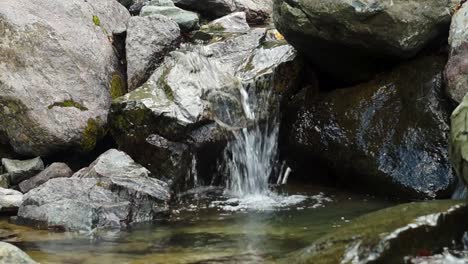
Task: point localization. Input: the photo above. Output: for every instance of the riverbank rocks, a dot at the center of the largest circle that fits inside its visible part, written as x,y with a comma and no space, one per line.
10,200
58,72
257,11
388,136
11,254
148,40
186,20
55,170
351,40
388,235
456,71
20,170
113,192
198,86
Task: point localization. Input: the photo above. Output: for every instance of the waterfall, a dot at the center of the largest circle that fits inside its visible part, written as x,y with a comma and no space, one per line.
251,157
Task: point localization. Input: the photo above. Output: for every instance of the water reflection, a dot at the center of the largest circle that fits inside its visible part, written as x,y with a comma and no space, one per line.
197,232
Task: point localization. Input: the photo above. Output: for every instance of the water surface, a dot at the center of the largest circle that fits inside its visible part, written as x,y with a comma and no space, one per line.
201,231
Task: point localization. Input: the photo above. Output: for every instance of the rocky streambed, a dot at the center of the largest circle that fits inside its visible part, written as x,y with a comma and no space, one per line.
199,131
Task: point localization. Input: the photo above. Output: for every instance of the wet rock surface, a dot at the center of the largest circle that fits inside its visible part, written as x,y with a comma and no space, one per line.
58,68
148,40
351,40
11,254
113,192
197,86
387,236
55,170
388,136
456,70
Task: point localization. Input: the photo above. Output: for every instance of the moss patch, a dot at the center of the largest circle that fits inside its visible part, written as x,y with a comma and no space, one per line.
91,134
117,86
96,21
68,103
162,83
369,230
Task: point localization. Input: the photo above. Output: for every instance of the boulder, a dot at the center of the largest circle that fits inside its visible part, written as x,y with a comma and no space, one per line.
20,170
198,87
388,136
55,170
10,200
235,22
456,70
113,192
459,141
186,20
148,40
257,11
11,254
351,40
389,235
71,41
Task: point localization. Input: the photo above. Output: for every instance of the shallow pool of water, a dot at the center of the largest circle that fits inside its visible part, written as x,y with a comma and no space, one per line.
202,230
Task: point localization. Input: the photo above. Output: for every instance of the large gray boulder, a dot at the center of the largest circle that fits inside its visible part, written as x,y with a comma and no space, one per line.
186,20
55,170
388,136
58,72
200,86
10,254
456,70
257,11
148,40
350,40
20,170
113,192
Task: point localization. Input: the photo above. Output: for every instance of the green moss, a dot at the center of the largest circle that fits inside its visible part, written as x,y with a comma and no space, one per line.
368,230
96,21
162,83
117,86
68,103
91,134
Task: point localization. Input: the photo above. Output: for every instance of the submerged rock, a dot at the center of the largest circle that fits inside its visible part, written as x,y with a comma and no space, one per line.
10,200
55,170
20,170
456,70
257,11
148,40
187,20
388,235
197,86
58,72
113,192
388,136
10,254
350,40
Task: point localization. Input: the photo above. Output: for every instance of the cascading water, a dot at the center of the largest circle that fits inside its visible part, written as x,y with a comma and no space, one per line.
251,157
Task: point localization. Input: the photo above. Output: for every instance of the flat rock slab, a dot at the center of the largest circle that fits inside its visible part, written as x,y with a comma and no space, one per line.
20,170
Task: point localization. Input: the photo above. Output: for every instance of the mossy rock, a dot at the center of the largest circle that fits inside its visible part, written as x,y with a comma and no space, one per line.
117,85
91,134
388,235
